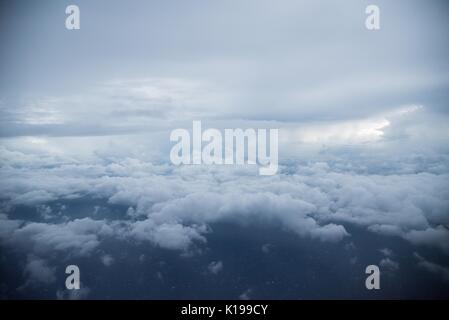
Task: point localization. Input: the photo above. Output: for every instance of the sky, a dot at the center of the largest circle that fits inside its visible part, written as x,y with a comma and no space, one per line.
86,179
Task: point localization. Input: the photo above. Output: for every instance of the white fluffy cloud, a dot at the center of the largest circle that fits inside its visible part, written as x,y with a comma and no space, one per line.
389,264
438,236
79,236
172,207
38,271
107,260
394,186
215,267
433,267
175,207
79,294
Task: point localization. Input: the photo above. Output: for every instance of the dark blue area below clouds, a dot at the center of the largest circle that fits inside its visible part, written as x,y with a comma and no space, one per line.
259,262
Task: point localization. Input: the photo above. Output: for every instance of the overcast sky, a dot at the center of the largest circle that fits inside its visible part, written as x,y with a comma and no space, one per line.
293,61
85,117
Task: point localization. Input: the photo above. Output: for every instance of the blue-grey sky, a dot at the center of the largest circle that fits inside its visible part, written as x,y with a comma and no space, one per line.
85,120
292,61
